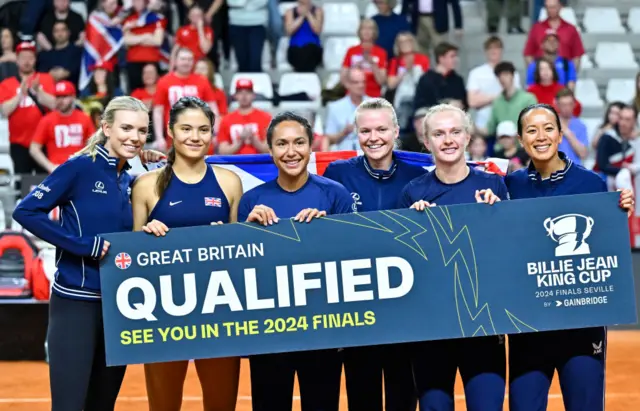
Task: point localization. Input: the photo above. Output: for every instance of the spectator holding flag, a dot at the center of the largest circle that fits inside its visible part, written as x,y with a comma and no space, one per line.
103,40
144,36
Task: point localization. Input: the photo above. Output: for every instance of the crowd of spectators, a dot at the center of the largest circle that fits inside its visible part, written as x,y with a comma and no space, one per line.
406,53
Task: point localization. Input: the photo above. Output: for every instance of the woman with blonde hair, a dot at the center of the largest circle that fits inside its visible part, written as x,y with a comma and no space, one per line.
368,57
92,190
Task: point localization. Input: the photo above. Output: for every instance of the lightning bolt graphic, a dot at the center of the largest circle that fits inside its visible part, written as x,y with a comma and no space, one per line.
414,244
458,248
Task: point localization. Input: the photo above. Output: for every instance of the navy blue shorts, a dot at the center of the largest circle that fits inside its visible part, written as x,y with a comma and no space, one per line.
482,365
319,373
578,356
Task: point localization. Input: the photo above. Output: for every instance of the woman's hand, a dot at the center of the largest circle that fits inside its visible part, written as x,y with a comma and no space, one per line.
105,249
422,205
151,156
263,215
626,201
486,196
309,214
155,227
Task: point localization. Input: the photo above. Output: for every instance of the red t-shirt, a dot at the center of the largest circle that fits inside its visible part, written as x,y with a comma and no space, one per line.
63,135
570,43
27,114
354,57
187,37
547,95
397,65
233,123
171,88
143,54
143,95
221,101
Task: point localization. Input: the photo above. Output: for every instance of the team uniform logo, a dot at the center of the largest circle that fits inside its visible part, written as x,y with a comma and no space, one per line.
123,261
99,188
212,202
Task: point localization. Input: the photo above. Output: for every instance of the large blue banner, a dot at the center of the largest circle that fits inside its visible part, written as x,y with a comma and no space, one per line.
370,278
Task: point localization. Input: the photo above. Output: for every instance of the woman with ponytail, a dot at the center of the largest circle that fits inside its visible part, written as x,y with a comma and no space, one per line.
188,192
92,190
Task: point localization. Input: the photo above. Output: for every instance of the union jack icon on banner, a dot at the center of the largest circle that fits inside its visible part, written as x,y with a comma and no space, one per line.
123,261
212,202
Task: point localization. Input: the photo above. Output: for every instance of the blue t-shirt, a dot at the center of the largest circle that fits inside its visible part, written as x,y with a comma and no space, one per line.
318,192
429,188
573,179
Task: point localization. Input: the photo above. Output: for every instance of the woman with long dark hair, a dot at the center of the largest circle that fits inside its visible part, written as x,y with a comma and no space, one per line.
173,196
579,354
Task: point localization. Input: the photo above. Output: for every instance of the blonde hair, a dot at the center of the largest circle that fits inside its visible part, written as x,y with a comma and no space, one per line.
441,108
127,103
376,104
396,43
374,26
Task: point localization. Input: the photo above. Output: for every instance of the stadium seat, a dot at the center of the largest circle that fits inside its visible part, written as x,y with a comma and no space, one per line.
340,18
318,124
566,13
284,6
633,21
79,7
602,20
300,82
615,55
592,124
621,90
587,93
282,63
261,85
6,164
335,49
4,135
372,10
585,62
332,80
219,81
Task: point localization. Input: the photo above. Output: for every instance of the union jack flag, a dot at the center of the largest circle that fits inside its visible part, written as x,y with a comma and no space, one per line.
255,169
152,18
123,261
212,202
103,41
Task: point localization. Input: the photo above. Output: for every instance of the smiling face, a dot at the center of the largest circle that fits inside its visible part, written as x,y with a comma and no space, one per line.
376,133
447,136
128,133
540,134
192,134
290,148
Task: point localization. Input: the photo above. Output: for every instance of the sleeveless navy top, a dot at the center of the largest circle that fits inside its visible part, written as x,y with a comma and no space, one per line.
188,205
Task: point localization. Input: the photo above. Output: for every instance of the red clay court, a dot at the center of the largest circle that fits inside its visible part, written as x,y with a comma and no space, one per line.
24,386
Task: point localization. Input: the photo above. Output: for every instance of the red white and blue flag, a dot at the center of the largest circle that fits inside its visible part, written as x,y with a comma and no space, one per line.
151,18
123,261
255,169
212,202
103,41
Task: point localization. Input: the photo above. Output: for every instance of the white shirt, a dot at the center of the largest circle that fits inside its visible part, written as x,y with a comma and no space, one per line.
425,6
484,80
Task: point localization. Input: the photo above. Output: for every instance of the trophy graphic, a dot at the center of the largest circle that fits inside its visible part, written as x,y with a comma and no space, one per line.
570,232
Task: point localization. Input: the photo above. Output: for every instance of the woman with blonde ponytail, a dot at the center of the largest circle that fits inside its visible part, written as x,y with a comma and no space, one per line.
92,190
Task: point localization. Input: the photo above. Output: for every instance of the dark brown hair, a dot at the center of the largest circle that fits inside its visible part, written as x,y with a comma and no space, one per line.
536,74
185,103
